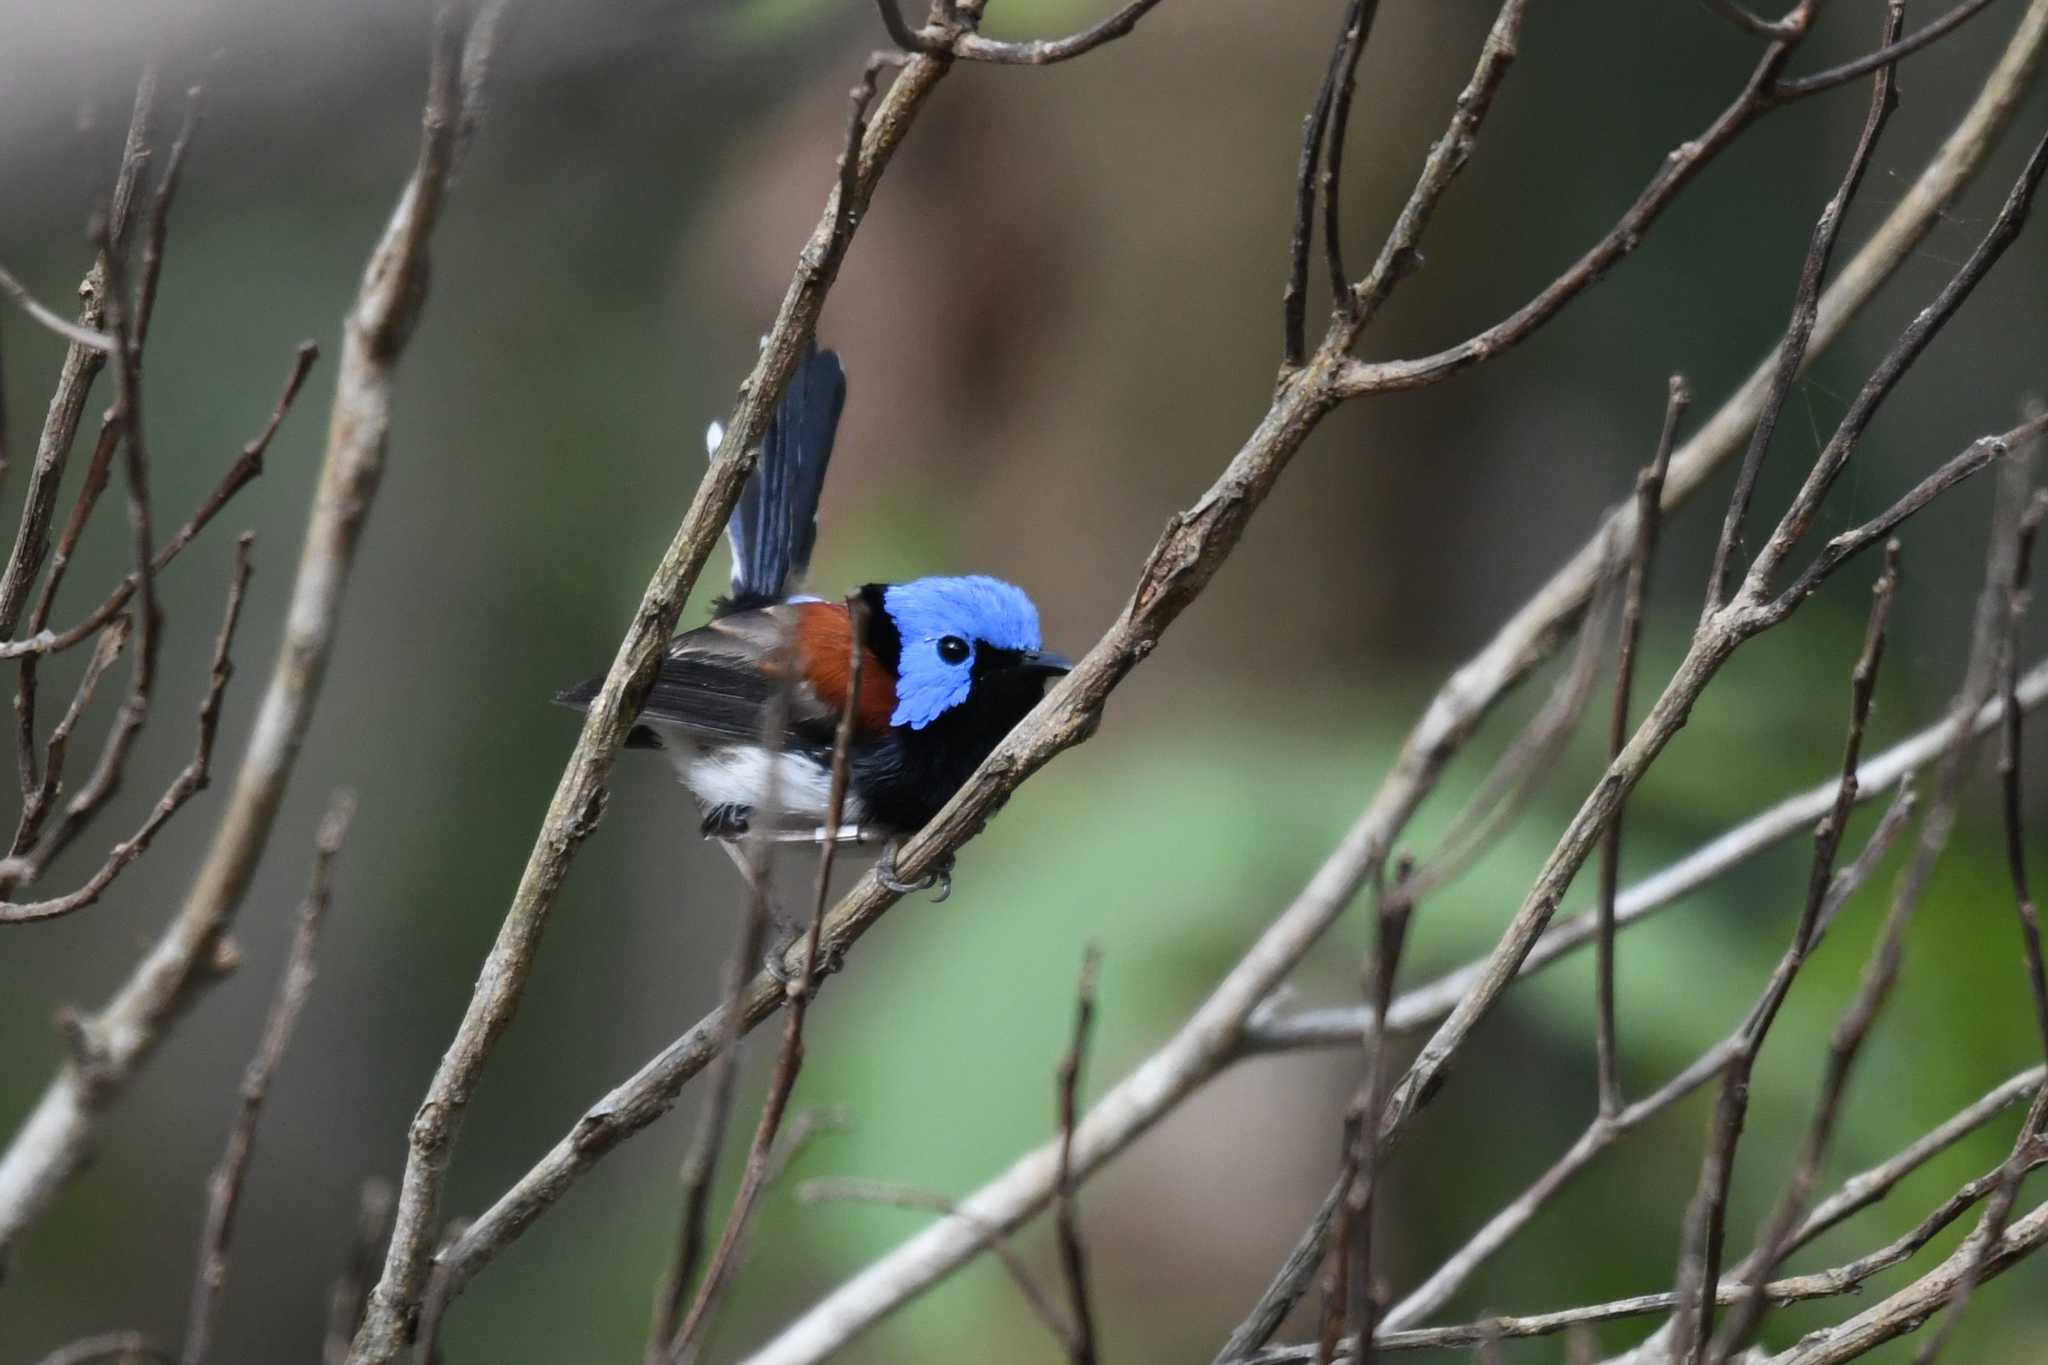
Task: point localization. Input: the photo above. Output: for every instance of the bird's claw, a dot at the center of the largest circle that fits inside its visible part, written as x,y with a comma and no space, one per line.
787,932
831,956
939,878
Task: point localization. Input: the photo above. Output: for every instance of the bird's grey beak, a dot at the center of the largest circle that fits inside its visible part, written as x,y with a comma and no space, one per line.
1045,661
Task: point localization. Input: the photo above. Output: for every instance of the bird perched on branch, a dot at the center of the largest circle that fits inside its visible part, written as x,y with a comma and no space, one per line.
949,664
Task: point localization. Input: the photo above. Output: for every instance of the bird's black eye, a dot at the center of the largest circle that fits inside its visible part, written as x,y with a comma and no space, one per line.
953,650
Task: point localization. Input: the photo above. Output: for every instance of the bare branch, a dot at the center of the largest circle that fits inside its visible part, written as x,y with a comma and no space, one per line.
1706,1216
1764,93
900,32
1357,32
183,787
1911,1307
1045,51
111,642
1883,56
350,1293
87,337
1926,324
1294,298
158,227
1066,1223
1425,1006
1791,355
2010,780
1791,26
908,1197
1649,507
1604,1131
1509,785
1713,644
1400,254
81,367
1845,1045
1823,1284
686,1343
224,1189
52,1145
123,1348
247,466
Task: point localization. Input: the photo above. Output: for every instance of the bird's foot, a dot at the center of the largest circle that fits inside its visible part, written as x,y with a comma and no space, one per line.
727,820
788,933
940,878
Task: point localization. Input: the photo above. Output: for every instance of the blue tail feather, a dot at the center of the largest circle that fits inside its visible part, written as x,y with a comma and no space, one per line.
775,522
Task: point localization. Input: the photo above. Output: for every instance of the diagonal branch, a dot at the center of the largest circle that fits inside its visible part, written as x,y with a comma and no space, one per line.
1649,499
224,1188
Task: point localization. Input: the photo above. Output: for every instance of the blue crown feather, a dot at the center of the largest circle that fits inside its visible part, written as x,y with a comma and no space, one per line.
977,609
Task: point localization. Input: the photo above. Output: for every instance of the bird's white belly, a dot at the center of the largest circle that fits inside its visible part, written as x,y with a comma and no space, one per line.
744,774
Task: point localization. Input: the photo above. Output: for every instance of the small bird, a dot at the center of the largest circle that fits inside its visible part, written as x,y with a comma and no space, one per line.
949,664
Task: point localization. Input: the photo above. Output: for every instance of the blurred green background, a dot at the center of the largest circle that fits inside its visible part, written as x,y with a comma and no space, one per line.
1060,318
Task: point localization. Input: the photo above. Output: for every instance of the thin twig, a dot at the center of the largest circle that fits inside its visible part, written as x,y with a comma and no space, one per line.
1921,331
1425,1006
350,1292
1764,93
72,332
43,791
111,642
1357,32
123,1348
1400,254
1712,646
687,1341
2011,782
909,1197
426,1347
246,467
1649,507
1911,1307
1604,1131
1791,356
700,1167
1999,1210
1066,1220
1822,1284
224,1188
1846,1042
1361,1305
127,356
82,365
1777,30
189,781
1511,783
157,229
1045,51
53,1143
1706,1217
900,32
1803,86
1294,298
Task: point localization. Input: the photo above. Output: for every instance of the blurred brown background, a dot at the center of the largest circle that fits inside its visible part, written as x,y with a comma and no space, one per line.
1059,319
